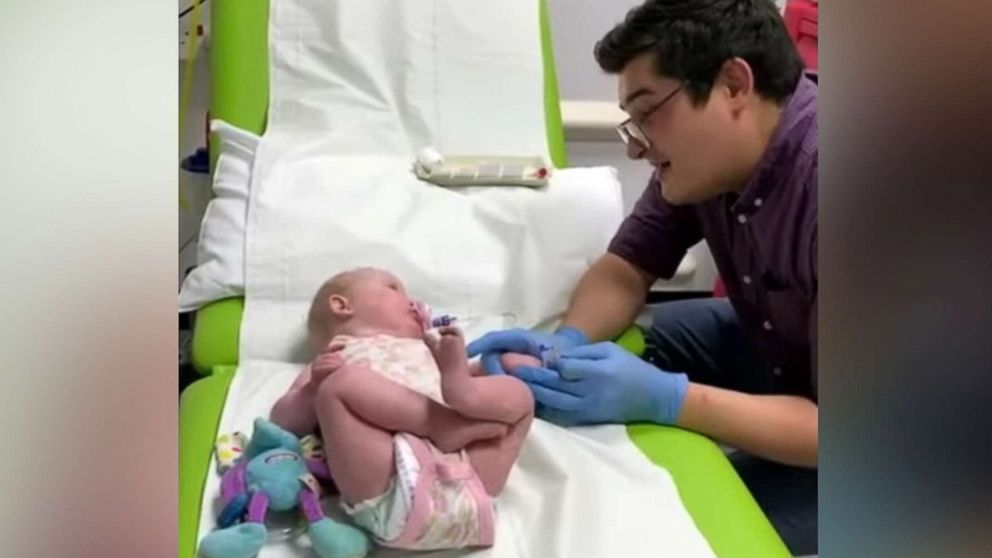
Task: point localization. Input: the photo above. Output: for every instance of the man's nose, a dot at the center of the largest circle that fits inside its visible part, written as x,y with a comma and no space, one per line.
635,150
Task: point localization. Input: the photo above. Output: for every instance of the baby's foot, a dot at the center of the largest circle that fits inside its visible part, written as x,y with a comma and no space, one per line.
511,361
453,432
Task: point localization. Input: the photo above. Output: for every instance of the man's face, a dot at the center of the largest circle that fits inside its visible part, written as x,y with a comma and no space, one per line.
692,147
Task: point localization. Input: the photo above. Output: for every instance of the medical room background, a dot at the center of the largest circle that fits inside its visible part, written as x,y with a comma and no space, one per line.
589,112
589,116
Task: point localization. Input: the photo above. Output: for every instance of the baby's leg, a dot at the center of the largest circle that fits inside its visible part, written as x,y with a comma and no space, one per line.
359,454
477,394
493,459
390,406
500,398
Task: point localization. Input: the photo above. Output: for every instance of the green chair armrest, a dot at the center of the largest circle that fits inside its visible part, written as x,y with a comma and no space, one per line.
632,339
216,334
200,407
552,102
704,476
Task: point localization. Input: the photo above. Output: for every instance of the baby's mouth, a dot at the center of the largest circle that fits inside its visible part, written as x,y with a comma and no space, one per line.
421,313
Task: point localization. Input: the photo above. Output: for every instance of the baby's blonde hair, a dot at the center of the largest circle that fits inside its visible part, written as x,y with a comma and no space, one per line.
321,322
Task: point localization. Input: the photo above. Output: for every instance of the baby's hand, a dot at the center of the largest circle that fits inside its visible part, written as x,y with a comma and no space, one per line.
435,339
449,349
326,363
451,334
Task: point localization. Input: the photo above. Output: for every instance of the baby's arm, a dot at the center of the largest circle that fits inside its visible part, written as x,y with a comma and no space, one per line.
295,411
501,398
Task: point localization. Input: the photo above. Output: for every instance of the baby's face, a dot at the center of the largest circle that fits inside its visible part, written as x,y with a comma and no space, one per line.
380,300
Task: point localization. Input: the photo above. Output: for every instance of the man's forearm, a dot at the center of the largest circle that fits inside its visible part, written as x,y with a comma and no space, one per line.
781,428
608,298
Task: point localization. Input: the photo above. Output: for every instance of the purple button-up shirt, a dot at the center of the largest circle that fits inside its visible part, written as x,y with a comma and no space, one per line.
763,241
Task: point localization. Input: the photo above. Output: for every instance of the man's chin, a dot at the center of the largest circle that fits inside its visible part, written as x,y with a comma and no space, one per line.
672,195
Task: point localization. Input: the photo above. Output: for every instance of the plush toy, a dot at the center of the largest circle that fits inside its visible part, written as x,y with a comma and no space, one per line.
276,471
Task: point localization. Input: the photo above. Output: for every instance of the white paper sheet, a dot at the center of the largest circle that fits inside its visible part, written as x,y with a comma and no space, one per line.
579,492
387,77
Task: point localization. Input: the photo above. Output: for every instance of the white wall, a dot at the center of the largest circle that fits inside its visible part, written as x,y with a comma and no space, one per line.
576,26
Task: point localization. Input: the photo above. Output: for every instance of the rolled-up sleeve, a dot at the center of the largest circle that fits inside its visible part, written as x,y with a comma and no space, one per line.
656,235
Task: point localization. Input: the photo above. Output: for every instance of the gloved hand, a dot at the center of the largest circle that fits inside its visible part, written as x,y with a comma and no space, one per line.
526,341
603,383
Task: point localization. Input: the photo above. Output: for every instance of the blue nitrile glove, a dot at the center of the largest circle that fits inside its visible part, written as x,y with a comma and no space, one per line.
603,383
524,341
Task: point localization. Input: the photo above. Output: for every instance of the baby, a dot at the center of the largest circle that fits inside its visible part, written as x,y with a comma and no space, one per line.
417,440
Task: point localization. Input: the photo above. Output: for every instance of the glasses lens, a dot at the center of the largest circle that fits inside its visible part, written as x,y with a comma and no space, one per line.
638,134
622,132
635,133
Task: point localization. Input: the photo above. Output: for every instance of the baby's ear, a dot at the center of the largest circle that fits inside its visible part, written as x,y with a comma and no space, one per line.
340,306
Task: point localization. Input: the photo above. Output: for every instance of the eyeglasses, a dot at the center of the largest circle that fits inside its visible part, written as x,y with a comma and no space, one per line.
630,130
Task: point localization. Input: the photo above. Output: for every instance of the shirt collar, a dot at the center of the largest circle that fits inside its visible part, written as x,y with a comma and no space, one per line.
787,138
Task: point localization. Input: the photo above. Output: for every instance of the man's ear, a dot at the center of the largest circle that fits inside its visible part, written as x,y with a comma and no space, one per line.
736,83
340,306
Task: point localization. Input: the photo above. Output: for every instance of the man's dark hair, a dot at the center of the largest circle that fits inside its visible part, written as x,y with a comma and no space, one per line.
691,39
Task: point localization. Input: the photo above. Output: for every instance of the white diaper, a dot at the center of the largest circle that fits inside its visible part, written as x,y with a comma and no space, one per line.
386,514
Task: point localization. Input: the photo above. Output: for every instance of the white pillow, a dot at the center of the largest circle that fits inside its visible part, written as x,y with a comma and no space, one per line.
220,269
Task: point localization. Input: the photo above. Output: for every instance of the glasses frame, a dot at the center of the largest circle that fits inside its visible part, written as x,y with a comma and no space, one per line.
630,130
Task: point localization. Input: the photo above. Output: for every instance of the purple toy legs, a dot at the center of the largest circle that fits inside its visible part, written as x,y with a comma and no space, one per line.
318,468
232,483
311,506
257,506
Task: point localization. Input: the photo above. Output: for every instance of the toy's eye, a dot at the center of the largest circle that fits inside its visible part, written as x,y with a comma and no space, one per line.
281,457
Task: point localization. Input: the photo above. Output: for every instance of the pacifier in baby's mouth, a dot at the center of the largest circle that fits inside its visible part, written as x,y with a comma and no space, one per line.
427,321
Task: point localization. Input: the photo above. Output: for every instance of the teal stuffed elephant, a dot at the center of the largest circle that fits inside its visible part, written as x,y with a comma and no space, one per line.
275,473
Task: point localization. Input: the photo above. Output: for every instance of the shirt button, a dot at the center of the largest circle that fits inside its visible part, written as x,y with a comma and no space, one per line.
767,325
758,202
746,279
777,371
742,219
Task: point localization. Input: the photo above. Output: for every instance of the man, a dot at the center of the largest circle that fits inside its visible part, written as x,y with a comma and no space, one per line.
720,108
